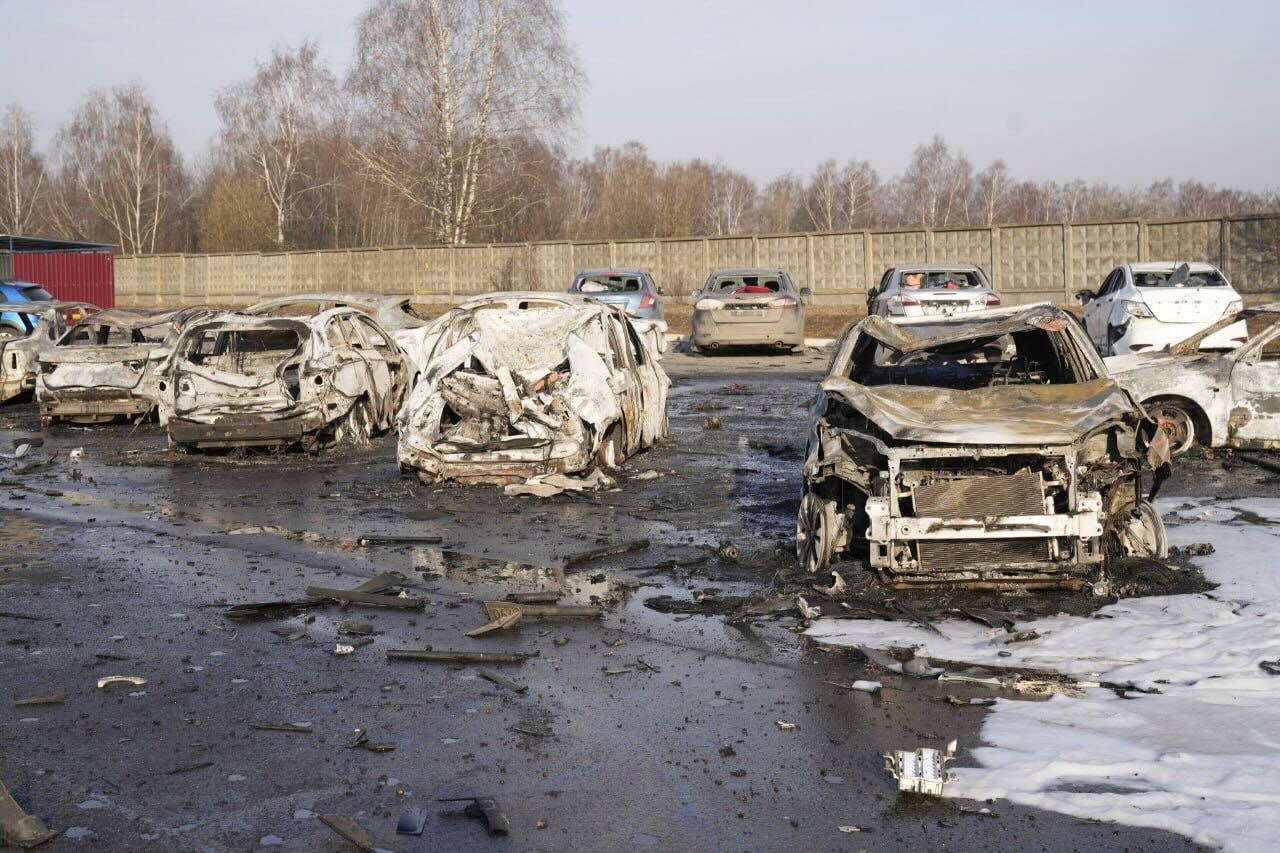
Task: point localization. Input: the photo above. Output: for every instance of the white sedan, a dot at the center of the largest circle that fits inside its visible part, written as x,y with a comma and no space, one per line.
1148,306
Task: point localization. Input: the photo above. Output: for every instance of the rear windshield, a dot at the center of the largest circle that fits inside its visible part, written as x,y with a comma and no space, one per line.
37,294
101,335
226,349
1179,278
748,284
944,280
609,284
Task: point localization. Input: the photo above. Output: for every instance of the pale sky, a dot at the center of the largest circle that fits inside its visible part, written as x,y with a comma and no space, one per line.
1121,91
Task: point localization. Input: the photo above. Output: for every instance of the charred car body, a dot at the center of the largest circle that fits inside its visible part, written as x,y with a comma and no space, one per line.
1215,397
235,380
107,366
33,327
519,385
979,450
395,314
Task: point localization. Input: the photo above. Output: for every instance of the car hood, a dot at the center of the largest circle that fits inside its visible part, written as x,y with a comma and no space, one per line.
998,415
1119,364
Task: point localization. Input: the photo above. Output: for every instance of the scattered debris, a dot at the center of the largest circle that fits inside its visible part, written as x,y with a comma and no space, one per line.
503,615
351,831
921,771
1195,549
341,649
430,656
981,701
860,685
605,551
727,551
549,485
837,589
19,828
485,808
917,667
350,596
399,540
712,422
547,597
53,699
10,615
275,609
807,611
1270,667
135,680
783,725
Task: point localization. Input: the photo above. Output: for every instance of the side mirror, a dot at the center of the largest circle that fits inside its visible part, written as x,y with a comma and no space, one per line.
806,295
1086,296
694,296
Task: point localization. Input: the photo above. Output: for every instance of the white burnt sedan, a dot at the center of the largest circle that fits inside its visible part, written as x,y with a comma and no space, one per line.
1148,306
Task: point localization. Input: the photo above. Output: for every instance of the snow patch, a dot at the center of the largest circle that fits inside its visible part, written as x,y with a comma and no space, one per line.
1201,757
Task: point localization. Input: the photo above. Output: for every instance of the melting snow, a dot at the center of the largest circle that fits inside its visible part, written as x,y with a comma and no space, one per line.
1202,758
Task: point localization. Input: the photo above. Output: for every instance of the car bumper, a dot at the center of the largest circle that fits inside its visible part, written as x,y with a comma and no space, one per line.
243,430
124,404
498,467
710,329
1150,335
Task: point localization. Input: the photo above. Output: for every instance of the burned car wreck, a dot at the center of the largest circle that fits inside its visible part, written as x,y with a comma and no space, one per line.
235,380
522,385
43,323
983,450
107,366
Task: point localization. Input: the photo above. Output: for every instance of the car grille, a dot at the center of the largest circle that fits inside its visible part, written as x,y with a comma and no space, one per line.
977,497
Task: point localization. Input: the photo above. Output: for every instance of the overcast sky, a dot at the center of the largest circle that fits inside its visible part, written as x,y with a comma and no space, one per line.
1121,91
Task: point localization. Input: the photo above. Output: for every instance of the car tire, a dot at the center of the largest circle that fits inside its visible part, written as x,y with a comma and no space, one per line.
1178,421
9,333
816,530
1144,534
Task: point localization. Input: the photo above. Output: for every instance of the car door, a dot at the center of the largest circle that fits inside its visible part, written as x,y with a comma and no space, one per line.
382,365
653,389
1254,416
1098,311
625,383
877,305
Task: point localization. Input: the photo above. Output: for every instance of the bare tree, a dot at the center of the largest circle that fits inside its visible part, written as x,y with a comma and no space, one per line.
22,174
731,198
118,159
822,198
991,187
859,193
267,120
448,84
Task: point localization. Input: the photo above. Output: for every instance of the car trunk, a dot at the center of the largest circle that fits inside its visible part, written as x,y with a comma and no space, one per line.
248,371
118,368
750,308
1202,305
950,301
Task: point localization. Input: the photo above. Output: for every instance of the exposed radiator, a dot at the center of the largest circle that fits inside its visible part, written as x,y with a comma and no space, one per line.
970,497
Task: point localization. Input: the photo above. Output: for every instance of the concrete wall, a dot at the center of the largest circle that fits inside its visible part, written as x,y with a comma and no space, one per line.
1027,263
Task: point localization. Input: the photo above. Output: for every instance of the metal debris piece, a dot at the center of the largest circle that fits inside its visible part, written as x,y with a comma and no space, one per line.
605,551
412,822
783,725
503,615
342,649
727,551
921,771
837,589
502,680
10,615
552,611
295,728
400,540
351,831
350,596
485,808
268,609
430,656
712,423
547,597
959,702
52,699
354,628
135,680
859,685
362,741
19,828
1270,667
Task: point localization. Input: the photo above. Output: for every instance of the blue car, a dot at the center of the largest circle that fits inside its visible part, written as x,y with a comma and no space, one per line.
13,324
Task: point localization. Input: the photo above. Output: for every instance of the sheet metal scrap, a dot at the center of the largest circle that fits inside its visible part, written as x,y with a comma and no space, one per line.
19,828
352,832
485,808
503,615
921,771
278,609
430,656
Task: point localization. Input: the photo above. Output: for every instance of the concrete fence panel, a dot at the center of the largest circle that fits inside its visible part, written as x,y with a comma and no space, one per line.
729,252
684,266
1198,240
791,253
642,254
966,246
1096,248
1254,255
553,265
840,267
588,256
1031,265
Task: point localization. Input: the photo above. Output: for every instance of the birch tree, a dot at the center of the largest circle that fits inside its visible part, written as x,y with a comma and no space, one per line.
118,160
22,173
446,85
268,119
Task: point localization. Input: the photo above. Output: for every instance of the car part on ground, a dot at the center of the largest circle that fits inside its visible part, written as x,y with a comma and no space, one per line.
921,771
235,380
633,290
107,365
989,448
518,386
922,290
40,324
1148,306
1219,398
749,307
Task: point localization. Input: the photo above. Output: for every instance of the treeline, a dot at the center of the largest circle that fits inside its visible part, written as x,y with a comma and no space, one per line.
450,128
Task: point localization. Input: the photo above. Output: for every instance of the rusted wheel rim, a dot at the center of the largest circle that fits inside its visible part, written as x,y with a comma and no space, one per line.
1177,424
815,527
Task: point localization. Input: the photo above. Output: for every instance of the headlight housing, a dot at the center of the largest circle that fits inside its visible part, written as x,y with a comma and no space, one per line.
1235,306
708,305
1136,309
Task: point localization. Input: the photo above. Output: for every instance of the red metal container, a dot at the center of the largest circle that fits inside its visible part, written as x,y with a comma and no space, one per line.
73,276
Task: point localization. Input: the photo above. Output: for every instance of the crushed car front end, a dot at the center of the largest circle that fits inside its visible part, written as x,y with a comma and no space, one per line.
1031,484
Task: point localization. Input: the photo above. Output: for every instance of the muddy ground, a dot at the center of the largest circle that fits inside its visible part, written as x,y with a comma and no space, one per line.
644,729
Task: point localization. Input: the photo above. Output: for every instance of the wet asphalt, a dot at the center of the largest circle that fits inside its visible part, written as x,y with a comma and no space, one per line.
644,729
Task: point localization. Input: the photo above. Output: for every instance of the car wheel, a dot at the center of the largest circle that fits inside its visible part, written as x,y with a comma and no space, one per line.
8,333
1144,535
1177,422
815,532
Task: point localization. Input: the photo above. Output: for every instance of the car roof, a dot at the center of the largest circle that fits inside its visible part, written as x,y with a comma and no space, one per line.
937,268
569,299
612,271
19,283
1170,266
750,271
